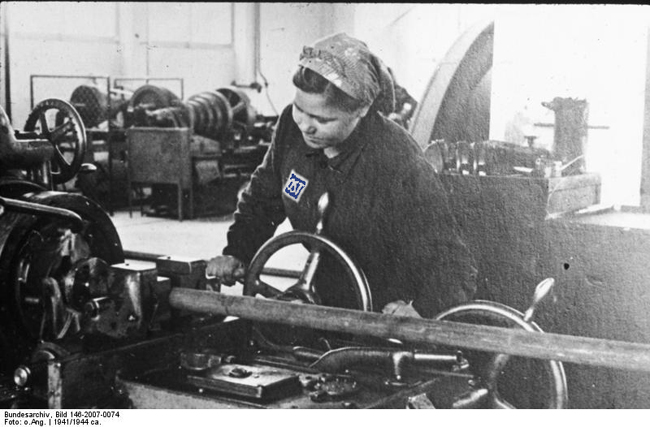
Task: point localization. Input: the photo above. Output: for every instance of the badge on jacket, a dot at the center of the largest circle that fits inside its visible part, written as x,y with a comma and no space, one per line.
295,186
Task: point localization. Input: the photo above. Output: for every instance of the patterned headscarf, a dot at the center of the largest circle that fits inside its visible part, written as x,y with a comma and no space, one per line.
349,65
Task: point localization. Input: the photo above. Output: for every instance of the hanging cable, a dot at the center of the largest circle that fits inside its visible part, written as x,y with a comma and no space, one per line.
258,67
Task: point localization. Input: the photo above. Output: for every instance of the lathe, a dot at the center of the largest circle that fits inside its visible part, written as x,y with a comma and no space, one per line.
82,327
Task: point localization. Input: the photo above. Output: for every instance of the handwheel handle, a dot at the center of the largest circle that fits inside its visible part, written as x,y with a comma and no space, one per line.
323,204
542,291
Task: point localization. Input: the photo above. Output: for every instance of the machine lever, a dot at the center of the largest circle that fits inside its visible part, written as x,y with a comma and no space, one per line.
336,360
542,291
38,209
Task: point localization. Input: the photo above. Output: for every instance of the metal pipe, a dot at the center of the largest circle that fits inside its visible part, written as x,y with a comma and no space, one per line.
20,206
565,348
269,271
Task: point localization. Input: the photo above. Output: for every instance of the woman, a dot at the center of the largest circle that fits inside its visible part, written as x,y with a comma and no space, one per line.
388,210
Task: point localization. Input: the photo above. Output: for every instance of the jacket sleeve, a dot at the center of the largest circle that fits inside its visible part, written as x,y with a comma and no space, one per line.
260,209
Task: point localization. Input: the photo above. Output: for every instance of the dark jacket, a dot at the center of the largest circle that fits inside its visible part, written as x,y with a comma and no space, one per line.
388,211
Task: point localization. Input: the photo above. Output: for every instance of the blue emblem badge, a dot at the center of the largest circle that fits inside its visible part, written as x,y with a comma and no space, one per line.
295,186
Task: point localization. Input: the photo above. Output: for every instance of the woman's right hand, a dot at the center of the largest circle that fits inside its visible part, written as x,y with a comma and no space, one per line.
226,268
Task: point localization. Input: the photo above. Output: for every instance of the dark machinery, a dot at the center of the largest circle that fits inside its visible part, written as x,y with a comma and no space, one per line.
229,139
83,328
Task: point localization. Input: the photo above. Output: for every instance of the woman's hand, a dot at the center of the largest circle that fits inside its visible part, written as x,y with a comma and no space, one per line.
400,308
226,268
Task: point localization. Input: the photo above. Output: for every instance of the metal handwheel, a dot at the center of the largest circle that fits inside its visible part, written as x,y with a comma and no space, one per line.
304,289
58,122
485,393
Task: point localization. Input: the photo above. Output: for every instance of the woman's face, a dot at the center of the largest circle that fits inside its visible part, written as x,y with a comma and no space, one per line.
322,124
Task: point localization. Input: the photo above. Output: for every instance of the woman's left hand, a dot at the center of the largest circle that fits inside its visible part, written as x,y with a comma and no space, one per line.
400,308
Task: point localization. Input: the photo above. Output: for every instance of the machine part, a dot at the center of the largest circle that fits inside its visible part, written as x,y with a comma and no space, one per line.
214,115
420,401
129,304
12,205
341,358
227,111
86,279
150,97
59,123
329,388
456,103
485,391
250,381
23,154
95,106
243,113
485,157
91,103
303,290
570,133
33,375
200,116
14,188
37,253
202,360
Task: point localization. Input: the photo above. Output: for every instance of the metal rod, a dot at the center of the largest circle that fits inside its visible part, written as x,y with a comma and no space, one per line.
565,348
270,271
20,206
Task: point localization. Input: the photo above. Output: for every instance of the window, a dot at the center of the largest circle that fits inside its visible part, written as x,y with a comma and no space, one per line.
65,19
190,23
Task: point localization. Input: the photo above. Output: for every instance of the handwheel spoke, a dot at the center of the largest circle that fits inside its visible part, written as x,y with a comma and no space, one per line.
61,130
496,402
241,105
474,399
60,159
42,119
266,290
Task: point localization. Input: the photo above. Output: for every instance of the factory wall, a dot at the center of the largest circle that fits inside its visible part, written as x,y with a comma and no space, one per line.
410,38
284,28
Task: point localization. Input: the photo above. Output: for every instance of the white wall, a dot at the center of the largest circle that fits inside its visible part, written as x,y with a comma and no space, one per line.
596,53
284,29
412,38
34,52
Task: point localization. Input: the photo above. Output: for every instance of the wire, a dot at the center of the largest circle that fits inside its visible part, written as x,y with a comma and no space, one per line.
258,66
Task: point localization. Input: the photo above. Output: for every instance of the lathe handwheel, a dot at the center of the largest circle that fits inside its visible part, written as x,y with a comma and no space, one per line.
486,391
58,122
253,285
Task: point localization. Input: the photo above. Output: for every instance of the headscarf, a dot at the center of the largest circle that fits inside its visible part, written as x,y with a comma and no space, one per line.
349,65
